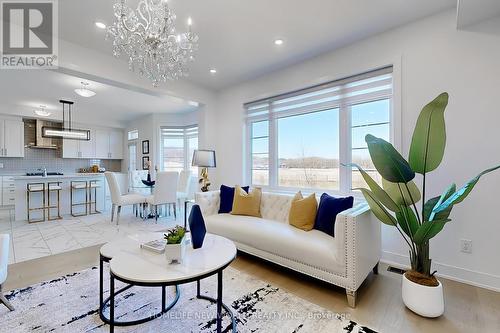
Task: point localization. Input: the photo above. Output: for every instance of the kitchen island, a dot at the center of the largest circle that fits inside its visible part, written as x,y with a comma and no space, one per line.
21,202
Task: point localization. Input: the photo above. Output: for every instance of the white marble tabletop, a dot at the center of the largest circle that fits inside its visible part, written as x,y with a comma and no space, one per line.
134,264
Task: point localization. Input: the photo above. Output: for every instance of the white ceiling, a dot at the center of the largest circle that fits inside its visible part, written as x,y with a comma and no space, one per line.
236,37
22,91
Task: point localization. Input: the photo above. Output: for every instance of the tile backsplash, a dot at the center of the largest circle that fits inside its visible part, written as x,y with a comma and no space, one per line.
52,160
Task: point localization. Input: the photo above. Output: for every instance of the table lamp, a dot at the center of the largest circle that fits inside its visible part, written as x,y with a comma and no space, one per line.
204,159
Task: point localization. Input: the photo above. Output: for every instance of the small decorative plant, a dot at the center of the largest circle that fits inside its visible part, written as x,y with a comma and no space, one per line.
395,202
175,235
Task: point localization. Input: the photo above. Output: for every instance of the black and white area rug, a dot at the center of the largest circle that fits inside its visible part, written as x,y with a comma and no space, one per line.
70,304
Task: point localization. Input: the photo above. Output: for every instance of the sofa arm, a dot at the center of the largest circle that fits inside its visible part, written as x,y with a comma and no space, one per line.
360,234
209,202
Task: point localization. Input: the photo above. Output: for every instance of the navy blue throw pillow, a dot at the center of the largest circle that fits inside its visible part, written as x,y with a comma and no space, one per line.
226,198
197,227
328,209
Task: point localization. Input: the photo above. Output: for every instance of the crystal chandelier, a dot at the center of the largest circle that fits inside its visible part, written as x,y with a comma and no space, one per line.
148,38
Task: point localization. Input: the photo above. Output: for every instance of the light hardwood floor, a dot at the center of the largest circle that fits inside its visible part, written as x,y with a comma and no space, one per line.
468,308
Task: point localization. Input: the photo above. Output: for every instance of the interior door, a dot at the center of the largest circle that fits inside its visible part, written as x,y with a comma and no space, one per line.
13,138
102,144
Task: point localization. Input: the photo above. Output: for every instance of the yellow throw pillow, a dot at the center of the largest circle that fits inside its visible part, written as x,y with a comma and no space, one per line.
303,211
246,203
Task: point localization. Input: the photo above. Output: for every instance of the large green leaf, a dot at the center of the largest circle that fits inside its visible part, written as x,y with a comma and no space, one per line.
429,205
407,220
378,192
399,192
429,137
462,193
445,213
377,208
388,162
428,229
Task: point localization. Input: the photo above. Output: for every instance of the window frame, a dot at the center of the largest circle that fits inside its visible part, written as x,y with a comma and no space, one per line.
345,130
188,132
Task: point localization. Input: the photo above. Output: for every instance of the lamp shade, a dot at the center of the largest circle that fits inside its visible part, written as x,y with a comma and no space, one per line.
204,158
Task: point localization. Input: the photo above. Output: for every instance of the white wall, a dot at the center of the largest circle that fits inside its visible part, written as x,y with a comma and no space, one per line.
434,57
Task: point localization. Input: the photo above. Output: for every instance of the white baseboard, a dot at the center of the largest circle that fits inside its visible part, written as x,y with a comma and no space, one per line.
459,274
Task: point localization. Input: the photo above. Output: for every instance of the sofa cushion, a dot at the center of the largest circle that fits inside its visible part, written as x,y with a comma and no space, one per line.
328,209
247,203
303,211
226,198
313,248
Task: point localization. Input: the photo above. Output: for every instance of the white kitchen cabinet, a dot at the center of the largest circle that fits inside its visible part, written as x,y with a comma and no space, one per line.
80,148
116,145
109,144
102,144
8,191
11,138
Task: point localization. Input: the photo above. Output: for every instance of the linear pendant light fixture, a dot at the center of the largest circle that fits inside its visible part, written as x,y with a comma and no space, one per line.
67,131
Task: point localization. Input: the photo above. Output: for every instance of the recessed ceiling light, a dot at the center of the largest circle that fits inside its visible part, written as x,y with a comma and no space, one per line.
278,42
42,112
213,71
100,25
84,91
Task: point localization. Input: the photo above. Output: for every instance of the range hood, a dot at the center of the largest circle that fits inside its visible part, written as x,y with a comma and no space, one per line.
33,134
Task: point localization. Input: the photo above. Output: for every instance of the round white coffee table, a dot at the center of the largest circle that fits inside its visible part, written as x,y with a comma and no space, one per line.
138,267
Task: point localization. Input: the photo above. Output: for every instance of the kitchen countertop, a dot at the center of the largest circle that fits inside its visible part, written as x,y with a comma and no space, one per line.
67,175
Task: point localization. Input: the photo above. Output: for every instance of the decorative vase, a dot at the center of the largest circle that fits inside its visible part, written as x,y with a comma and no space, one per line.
197,227
174,253
423,300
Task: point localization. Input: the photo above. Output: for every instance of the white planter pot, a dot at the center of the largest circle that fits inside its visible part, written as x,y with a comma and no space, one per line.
423,300
174,253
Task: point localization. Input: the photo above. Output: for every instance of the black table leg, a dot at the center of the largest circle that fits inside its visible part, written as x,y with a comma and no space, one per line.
111,303
163,298
185,216
101,284
219,301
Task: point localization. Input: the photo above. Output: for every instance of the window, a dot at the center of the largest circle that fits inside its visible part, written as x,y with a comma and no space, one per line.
133,135
302,139
132,156
177,147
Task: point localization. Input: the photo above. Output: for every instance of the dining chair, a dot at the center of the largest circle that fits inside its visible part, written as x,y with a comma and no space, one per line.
165,191
118,199
4,262
185,186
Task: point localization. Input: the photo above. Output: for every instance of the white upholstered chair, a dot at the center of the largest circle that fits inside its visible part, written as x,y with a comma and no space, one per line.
165,191
185,188
118,199
4,261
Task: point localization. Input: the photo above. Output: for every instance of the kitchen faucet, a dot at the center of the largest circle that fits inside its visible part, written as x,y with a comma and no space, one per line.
44,170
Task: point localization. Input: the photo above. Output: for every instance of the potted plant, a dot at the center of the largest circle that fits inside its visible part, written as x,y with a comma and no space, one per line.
400,203
176,246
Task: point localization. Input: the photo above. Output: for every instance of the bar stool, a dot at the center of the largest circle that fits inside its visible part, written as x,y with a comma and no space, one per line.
75,186
54,187
93,185
35,188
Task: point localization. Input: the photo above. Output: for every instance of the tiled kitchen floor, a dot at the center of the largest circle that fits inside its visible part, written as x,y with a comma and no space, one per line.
35,240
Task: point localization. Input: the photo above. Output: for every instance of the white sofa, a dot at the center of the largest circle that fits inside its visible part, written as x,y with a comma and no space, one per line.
344,260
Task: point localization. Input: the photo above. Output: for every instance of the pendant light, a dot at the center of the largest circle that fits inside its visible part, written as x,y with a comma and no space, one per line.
84,91
67,131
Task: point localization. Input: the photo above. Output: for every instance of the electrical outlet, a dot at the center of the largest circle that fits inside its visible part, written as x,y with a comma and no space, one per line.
466,245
